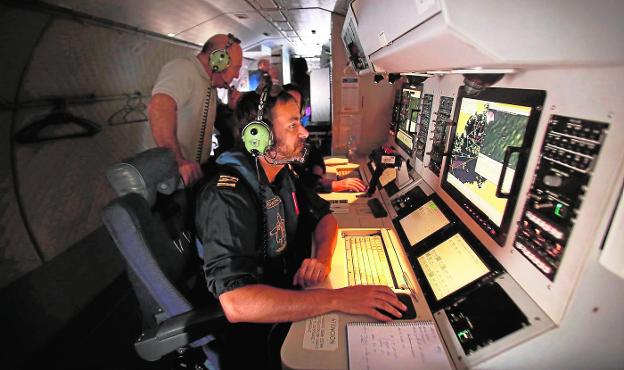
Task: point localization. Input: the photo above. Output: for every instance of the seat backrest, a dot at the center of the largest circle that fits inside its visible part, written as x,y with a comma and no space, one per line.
154,234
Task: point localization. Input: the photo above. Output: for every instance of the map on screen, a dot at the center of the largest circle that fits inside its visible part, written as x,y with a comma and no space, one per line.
484,131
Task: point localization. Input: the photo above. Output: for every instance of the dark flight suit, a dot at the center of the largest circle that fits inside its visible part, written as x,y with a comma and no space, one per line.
230,224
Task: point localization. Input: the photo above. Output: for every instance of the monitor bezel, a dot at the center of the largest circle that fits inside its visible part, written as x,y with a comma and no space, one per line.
521,97
402,213
495,269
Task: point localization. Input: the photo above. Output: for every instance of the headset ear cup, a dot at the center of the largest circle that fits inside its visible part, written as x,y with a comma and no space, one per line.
257,137
219,60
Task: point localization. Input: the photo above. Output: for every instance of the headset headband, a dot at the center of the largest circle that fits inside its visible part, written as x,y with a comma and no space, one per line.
220,58
231,41
264,95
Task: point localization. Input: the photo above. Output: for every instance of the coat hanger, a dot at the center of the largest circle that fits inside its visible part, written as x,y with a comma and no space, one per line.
132,112
59,124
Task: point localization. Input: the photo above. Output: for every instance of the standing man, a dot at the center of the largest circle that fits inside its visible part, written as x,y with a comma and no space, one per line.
184,102
256,222
264,66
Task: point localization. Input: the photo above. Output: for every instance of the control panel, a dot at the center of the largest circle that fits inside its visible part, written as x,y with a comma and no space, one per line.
423,125
396,110
568,156
484,316
440,129
408,200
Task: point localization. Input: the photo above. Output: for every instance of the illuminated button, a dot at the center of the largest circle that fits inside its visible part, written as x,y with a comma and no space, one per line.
464,335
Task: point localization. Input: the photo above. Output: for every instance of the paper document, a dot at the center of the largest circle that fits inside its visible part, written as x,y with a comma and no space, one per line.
396,345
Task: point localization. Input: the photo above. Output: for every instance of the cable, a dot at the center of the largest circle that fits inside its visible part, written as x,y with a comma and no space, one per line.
265,218
202,130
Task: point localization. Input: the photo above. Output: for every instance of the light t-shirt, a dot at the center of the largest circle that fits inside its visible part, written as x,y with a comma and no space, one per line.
186,82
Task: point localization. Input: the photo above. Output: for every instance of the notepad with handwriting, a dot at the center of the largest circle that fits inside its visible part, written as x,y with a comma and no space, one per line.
396,345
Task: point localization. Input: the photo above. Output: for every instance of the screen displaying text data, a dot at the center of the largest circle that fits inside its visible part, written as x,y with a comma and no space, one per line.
451,266
422,222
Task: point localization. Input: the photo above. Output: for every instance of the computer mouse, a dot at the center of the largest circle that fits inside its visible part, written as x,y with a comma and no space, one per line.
408,314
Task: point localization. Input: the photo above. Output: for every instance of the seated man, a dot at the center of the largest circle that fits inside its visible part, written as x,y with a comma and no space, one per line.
256,222
312,172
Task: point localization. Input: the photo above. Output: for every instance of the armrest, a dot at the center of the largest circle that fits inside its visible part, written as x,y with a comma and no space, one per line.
179,331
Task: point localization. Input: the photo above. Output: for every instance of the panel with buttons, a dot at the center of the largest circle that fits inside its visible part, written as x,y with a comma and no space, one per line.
440,129
408,201
568,156
423,125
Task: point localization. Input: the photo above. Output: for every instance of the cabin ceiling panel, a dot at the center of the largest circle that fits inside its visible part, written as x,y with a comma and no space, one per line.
160,16
275,15
195,20
265,4
249,30
326,4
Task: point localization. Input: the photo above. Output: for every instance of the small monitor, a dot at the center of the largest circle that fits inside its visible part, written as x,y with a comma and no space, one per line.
408,117
450,265
413,121
418,222
352,43
423,222
489,152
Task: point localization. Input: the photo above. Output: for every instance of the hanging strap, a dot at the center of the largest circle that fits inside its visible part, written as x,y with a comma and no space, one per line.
202,130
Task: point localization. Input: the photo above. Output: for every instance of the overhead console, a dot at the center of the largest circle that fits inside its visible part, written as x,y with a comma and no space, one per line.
451,34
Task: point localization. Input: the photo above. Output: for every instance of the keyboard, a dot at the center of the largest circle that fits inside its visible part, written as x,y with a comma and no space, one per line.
348,173
367,263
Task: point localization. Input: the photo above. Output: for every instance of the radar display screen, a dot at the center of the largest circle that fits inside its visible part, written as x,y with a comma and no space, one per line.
487,160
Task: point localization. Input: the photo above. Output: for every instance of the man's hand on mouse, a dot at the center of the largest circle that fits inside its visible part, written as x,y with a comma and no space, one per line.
370,300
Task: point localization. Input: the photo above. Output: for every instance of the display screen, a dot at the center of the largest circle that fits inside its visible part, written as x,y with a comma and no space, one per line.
450,266
354,46
405,140
484,131
410,101
408,116
413,121
422,222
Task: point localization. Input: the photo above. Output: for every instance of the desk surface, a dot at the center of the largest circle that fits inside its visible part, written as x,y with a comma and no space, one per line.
325,337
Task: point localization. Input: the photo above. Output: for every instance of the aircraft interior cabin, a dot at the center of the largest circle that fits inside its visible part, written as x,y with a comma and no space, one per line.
470,156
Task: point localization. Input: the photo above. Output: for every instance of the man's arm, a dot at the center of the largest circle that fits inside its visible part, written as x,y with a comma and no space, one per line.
349,184
162,112
315,270
259,303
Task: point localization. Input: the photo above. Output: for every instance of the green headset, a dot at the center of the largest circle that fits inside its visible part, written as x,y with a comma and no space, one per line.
257,135
220,59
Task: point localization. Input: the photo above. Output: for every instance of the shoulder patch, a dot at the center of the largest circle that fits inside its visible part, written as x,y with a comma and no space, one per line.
227,182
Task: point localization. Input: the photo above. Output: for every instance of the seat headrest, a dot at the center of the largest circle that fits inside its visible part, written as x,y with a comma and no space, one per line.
154,170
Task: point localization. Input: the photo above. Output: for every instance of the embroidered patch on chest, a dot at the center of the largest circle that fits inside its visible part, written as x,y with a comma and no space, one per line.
273,202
